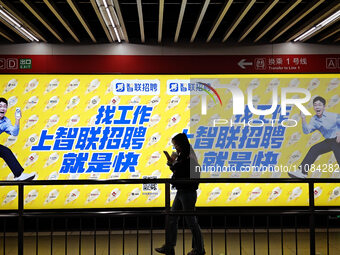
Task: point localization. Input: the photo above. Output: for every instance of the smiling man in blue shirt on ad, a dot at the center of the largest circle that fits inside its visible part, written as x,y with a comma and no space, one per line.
328,124
6,153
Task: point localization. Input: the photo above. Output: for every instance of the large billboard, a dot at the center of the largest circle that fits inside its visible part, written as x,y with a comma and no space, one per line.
117,126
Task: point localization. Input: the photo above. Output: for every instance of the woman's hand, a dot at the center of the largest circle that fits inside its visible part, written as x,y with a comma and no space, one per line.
171,161
174,155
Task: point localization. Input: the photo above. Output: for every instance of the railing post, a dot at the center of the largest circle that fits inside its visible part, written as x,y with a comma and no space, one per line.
21,219
167,197
167,209
311,218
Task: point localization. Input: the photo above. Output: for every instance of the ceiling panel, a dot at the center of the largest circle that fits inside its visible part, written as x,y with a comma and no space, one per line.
276,16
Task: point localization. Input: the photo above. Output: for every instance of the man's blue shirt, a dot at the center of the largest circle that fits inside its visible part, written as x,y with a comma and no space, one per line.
328,124
6,126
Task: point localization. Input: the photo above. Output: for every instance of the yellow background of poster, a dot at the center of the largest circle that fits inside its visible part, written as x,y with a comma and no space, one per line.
35,117
327,194
9,197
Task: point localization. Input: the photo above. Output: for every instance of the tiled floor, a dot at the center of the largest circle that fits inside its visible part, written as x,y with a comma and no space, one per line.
144,240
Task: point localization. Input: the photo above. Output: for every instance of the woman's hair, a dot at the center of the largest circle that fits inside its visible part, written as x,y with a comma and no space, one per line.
182,141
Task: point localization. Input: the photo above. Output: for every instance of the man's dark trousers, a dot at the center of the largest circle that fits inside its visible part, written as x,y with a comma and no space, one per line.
318,149
11,160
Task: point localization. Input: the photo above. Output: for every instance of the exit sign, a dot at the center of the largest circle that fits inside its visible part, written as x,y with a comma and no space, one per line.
25,63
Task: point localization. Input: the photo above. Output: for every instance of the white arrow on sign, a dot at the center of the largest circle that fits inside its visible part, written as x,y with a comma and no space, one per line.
243,64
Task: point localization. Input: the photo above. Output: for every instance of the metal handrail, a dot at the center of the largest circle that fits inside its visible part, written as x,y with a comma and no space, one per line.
167,180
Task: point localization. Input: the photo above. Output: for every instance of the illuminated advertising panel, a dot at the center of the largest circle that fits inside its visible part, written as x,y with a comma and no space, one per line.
117,126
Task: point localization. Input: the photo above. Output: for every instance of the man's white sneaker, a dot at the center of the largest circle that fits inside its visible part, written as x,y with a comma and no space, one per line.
297,174
25,177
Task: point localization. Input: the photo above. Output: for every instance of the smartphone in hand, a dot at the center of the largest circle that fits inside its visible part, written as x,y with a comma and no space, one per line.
17,113
167,155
